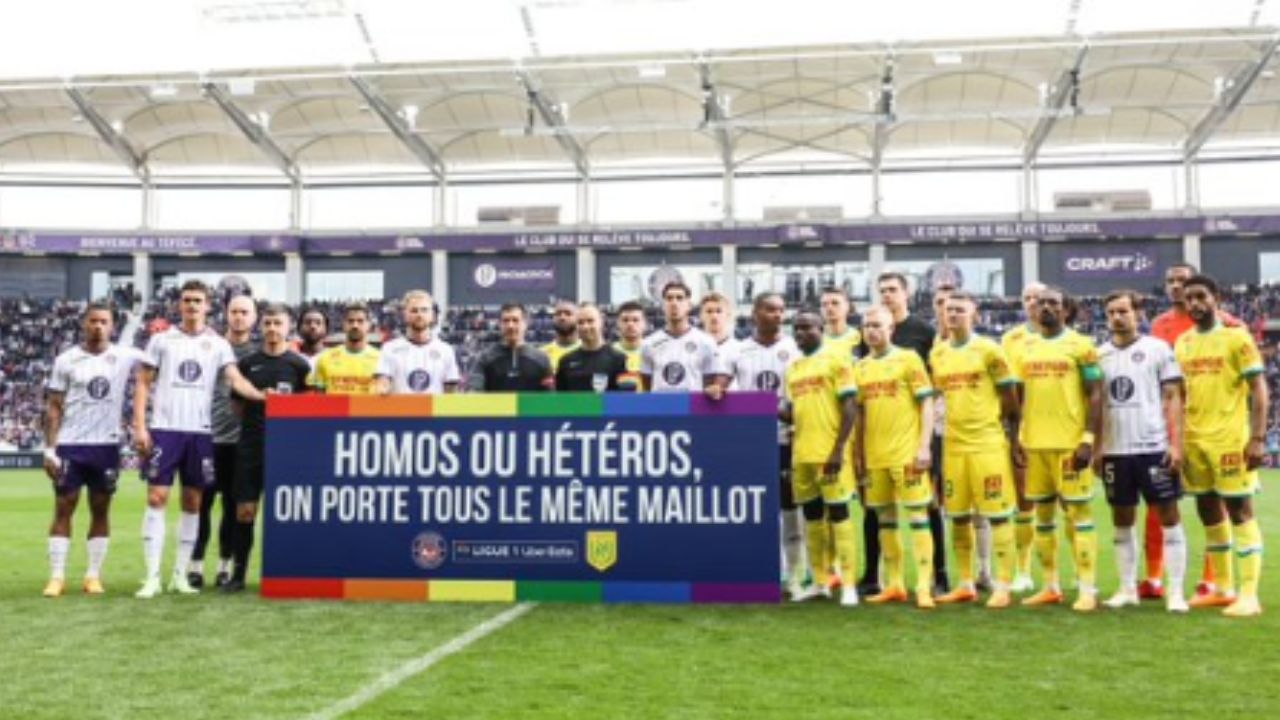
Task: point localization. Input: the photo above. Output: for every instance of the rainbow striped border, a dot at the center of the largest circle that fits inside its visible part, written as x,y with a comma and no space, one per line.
506,591
522,405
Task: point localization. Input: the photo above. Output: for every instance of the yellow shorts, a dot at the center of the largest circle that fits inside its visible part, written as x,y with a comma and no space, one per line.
981,481
898,486
808,484
1051,474
1218,469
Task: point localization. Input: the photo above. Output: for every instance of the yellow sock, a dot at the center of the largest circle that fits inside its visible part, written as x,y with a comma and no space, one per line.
1047,542
922,550
1025,538
1085,545
964,539
1249,555
846,549
829,553
1217,545
816,541
891,549
1004,548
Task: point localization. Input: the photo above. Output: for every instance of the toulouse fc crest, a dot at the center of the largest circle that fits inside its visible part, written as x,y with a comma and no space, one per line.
429,550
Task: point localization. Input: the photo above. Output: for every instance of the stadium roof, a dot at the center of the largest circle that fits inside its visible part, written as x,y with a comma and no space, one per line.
499,87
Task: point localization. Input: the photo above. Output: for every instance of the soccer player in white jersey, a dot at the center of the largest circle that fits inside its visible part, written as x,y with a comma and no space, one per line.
1141,449
680,357
418,363
760,365
180,368
84,401
716,313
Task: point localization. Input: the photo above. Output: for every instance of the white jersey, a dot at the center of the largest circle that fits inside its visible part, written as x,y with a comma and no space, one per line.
187,369
762,368
418,368
94,393
679,364
1135,423
728,350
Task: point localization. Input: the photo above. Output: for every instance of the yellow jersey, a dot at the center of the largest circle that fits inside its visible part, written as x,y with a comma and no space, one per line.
1053,372
632,379
968,378
845,344
555,351
1014,341
890,388
338,371
1216,366
816,388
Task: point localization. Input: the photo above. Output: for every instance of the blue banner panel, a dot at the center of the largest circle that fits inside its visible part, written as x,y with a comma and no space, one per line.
687,498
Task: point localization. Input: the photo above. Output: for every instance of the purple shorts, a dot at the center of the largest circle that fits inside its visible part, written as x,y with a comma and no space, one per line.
174,452
94,466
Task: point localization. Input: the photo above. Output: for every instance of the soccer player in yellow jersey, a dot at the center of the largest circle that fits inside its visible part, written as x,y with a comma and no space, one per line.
350,368
565,322
1226,389
895,435
631,326
1061,420
822,406
973,377
837,335
1013,341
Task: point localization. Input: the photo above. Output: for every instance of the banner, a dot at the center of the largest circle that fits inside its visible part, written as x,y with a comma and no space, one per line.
21,460
854,232
1112,262
152,244
504,497
507,274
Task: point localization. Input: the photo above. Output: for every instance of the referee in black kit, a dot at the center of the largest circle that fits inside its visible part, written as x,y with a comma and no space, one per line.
273,369
595,366
911,333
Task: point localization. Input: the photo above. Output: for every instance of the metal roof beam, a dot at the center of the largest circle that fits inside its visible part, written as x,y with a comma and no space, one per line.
117,142
885,113
1062,92
1235,90
714,115
554,118
399,127
252,131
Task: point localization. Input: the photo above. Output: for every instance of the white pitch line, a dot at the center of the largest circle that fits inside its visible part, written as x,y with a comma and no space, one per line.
421,664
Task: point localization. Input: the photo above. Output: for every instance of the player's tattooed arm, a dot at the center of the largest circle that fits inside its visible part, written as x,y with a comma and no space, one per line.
848,417
146,377
1011,413
52,426
1254,452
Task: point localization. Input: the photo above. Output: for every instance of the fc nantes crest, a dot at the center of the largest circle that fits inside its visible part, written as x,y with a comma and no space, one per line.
602,549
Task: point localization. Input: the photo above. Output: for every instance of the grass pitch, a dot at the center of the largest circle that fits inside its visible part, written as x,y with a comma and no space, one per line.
217,657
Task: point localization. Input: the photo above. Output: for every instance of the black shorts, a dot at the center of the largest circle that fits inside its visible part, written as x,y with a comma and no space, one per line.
251,467
1125,476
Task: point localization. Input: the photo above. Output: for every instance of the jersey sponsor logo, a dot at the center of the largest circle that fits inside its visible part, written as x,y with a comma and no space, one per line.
768,380
189,371
429,551
99,387
673,373
602,549
419,380
1121,388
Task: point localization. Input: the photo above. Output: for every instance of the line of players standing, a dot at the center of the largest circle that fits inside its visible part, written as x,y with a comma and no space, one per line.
1022,433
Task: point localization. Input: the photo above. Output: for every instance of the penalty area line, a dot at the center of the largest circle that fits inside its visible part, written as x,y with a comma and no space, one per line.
418,665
